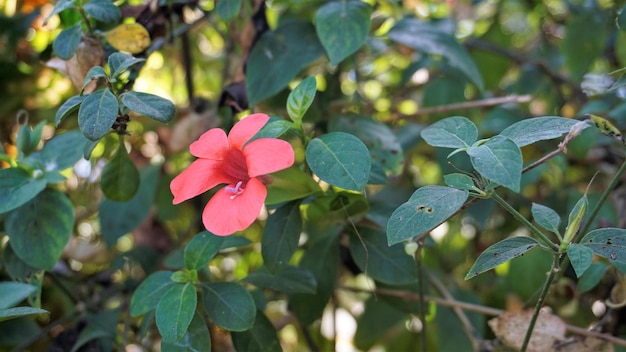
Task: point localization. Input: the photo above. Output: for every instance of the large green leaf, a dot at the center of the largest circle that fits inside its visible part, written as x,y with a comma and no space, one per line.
499,160
609,243
103,10
290,184
501,252
535,129
149,293
451,132
290,279
301,98
196,339
580,257
66,43
18,187
39,230
175,310
12,313
426,209
342,27
278,56
97,113
430,39
120,177
120,218
119,62
150,105
280,236
12,293
340,159
229,305
201,249
61,152
261,337
384,263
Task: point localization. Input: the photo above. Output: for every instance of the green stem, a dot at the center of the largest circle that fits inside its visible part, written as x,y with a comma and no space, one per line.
524,221
544,293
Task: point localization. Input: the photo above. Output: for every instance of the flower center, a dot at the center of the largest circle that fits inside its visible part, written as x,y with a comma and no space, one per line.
234,165
237,190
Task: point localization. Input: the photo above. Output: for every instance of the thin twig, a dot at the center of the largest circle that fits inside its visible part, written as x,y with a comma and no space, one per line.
422,303
465,105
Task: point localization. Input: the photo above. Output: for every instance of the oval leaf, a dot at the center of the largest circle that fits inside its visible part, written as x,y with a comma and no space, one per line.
66,43
280,236
609,243
580,257
18,187
119,62
97,113
289,280
229,305
261,337
340,159
149,105
120,177
149,293
39,230
546,217
175,310
501,252
451,132
201,249
536,129
425,210
92,75
196,338
499,160
103,10
301,98
129,37
459,181
67,108
342,27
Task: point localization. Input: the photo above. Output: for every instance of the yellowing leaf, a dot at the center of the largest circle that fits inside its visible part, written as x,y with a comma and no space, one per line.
129,37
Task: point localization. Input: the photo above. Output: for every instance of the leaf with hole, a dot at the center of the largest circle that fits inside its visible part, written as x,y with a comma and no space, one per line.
609,243
428,207
501,252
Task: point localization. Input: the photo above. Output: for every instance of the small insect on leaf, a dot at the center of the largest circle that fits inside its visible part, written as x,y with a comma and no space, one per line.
129,37
606,127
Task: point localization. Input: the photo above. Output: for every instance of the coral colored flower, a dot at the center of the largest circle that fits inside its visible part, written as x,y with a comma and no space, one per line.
231,160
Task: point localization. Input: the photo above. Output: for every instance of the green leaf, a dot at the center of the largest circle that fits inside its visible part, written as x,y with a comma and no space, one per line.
378,317
451,132
290,184
425,210
273,129
261,337
175,310
12,313
59,7
149,105
536,129
120,218
591,277
40,229
94,74
201,249
66,43
196,339
280,236
97,114
119,62
580,257
120,177
430,39
234,241
459,181
67,108
290,279
499,160
18,187
501,252
12,293
103,10
149,293
384,263
229,305
301,98
321,259
340,159
61,152
546,217
20,271
609,243
278,56
585,37
342,27
227,10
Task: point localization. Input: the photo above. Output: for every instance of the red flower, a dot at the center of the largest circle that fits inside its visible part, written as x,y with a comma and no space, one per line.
238,164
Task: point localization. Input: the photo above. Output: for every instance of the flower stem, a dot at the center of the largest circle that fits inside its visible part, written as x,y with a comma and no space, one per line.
542,297
524,221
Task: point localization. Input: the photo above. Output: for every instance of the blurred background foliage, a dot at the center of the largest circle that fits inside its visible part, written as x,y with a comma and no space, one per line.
534,58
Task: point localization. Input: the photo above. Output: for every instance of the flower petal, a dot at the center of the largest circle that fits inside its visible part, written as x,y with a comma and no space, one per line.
267,155
199,177
224,216
213,144
246,129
